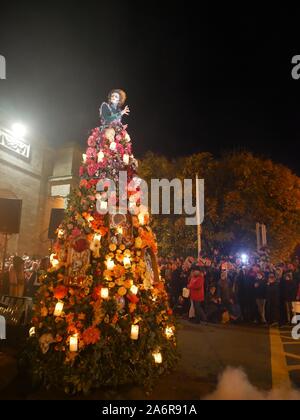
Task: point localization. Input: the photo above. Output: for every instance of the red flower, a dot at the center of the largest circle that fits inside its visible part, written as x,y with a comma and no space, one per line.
91,141
60,292
133,298
96,292
169,312
92,169
91,335
80,245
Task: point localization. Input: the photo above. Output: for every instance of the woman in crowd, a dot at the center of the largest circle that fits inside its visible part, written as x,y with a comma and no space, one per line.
16,277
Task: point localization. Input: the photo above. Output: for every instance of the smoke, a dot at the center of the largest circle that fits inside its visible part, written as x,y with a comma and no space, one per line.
234,385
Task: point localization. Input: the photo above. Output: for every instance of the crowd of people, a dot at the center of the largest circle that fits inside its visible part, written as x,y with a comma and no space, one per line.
237,288
214,289
21,275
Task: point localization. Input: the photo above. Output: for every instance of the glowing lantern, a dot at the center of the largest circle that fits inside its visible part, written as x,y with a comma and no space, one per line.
134,289
74,343
157,357
104,293
169,332
134,332
58,309
127,262
110,264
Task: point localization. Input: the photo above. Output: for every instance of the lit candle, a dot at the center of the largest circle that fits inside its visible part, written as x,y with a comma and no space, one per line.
32,332
134,289
100,156
58,309
110,264
157,357
74,343
127,262
134,332
113,145
84,158
104,293
169,332
126,159
141,218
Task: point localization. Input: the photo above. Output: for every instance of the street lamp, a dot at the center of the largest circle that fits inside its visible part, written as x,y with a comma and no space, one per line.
19,130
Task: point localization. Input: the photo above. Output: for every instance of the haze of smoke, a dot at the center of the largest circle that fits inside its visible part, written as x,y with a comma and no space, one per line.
234,385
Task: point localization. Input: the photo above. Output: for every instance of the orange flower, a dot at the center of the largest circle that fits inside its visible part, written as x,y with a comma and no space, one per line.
60,292
132,307
91,335
122,291
119,271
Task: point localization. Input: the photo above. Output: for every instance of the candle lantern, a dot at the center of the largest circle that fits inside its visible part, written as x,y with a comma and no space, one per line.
157,357
74,343
58,309
110,264
134,290
135,332
169,332
104,293
127,262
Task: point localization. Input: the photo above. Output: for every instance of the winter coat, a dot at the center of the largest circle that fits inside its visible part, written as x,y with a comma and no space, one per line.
196,286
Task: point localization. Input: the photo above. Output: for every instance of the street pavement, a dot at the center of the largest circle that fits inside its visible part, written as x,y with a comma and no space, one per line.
269,357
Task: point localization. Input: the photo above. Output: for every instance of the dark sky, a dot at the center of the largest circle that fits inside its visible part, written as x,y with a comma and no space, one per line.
198,79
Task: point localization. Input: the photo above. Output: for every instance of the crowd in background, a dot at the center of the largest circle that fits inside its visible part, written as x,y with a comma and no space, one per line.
21,275
237,288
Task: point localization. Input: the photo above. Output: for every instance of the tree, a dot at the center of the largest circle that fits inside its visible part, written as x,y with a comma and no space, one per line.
102,315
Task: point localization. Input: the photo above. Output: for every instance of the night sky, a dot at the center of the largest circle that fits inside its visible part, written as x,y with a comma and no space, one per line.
197,79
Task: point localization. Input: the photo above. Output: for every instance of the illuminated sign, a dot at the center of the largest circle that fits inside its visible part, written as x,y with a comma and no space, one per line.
18,146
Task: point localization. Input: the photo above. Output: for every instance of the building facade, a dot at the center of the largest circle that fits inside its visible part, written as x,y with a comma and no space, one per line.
42,178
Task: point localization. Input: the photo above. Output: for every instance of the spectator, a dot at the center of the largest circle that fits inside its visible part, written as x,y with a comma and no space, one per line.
196,286
16,277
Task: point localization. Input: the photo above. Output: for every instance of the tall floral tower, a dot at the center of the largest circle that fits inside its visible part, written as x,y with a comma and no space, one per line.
101,316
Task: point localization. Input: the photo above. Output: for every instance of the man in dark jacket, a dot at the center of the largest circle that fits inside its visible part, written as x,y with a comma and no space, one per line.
272,294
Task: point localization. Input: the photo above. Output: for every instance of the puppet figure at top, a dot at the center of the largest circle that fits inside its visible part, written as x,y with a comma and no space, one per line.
111,112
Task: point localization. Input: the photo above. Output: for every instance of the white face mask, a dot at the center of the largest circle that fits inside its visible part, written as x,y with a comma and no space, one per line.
115,98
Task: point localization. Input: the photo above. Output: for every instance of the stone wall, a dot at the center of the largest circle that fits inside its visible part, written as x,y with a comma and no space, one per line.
31,180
